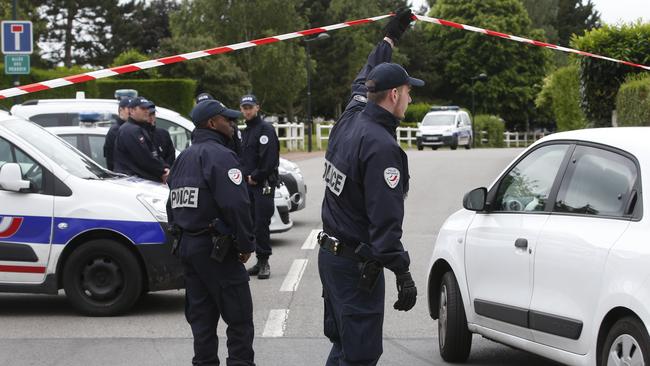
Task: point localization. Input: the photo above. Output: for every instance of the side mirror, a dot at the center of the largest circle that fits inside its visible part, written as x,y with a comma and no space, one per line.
11,179
475,200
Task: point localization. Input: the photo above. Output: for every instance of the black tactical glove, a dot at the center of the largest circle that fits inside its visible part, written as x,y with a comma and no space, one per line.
398,24
407,293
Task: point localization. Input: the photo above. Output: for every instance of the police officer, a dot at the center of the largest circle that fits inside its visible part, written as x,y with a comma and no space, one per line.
135,151
162,139
366,177
260,158
109,142
235,143
209,206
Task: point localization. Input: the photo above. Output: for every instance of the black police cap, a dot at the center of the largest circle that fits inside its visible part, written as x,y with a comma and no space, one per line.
248,99
203,96
387,76
140,102
125,101
209,108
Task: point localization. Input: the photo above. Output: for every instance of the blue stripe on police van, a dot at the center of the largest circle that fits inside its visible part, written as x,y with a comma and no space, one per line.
136,231
33,229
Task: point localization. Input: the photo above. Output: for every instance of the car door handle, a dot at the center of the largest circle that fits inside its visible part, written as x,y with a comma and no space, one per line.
521,243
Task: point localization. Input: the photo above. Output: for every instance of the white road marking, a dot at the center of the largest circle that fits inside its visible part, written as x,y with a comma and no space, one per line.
311,241
292,280
276,323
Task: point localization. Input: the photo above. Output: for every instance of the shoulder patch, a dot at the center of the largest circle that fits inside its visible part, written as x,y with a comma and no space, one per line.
360,98
141,139
391,176
235,176
264,139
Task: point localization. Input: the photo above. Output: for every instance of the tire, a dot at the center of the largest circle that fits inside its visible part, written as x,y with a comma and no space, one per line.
469,144
434,148
102,278
454,339
627,340
420,147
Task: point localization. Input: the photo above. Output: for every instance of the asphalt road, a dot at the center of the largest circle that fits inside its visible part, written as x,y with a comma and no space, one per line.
43,330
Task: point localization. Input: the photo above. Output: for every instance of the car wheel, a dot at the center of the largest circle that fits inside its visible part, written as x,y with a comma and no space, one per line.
469,144
420,147
454,339
434,148
102,278
627,343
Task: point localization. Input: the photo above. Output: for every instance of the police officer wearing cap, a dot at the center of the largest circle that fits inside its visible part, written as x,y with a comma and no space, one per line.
162,139
111,135
235,142
366,177
260,158
210,209
135,150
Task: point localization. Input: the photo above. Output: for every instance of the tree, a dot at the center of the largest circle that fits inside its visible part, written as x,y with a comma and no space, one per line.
561,94
574,18
543,15
600,79
514,71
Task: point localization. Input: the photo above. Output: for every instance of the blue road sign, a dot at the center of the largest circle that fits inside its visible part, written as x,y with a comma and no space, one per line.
17,37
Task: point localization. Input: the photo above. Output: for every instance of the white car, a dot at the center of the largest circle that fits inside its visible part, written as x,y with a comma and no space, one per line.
445,126
292,177
66,222
61,116
553,258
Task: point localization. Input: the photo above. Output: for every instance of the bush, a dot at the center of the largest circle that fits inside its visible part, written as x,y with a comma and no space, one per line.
633,102
600,79
175,94
416,111
561,94
494,126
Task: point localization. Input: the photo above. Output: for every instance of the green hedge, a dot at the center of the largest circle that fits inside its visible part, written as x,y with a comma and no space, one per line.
175,94
416,111
633,102
561,94
494,125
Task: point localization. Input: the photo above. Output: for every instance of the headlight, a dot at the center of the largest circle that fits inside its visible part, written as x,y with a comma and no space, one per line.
157,206
447,131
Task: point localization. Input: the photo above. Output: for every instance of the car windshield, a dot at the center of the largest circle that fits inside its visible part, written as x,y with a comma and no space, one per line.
439,120
67,157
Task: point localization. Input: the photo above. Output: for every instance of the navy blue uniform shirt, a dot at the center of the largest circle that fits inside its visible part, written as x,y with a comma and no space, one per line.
366,175
109,142
260,153
165,145
136,154
205,183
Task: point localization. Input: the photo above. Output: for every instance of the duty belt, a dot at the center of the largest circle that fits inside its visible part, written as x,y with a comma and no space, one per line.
334,246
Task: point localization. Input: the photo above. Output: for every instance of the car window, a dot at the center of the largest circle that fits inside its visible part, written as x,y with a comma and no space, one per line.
527,186
466,120
72,140
598,182
180,136
96,143
31,170
64,119
438,120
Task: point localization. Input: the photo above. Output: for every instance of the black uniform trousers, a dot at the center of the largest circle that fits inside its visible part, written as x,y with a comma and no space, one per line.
207,298
263,207
354,318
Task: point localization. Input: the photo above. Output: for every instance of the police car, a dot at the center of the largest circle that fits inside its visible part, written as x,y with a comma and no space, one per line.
445,126
67,223
62,117
291,176
553,257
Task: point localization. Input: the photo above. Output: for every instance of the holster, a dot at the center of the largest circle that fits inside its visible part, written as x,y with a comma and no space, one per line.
221,245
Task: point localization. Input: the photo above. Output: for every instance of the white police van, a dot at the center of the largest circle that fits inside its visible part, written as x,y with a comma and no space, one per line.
61,116
67,223
445,126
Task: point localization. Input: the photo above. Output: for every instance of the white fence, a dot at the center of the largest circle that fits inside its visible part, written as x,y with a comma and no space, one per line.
404,134
292,135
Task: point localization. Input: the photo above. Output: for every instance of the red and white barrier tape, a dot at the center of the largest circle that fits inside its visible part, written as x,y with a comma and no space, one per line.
523,40
104,73
118,70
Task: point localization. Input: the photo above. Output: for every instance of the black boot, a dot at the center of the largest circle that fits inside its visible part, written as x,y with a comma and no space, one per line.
264,271
254,270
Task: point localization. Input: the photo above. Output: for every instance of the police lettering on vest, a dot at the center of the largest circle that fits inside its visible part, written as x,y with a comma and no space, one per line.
334,179
185,197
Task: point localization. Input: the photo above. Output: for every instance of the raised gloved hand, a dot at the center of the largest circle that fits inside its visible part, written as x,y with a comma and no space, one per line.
398,24
407,293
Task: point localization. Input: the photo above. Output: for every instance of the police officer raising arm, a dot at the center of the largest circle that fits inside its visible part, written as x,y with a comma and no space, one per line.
135,150
366,177
210,210
260,158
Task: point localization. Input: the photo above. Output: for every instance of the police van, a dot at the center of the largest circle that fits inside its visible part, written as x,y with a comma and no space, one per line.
67,223
445,126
